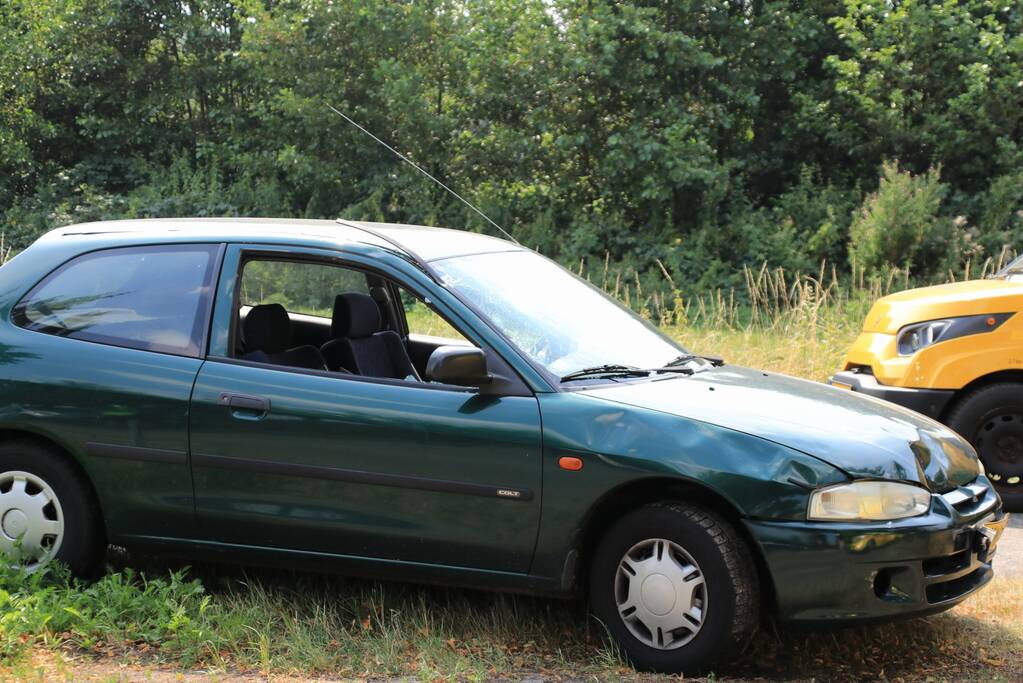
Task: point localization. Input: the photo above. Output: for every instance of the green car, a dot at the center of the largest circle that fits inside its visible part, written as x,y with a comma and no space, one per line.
440,406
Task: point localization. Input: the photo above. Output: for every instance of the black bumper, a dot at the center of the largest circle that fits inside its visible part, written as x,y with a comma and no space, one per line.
930,402
844,573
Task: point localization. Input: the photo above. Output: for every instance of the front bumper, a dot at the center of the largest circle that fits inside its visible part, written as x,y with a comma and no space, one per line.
930,402
839,572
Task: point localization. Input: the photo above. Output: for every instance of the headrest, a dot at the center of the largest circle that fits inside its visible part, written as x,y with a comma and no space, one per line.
267,328
355,315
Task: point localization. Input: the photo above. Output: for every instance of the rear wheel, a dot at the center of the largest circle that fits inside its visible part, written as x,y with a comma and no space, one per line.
991,418
47,511
675,587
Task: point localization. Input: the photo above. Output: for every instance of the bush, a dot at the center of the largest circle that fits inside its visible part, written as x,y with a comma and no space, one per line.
54,204
900,225
1001,215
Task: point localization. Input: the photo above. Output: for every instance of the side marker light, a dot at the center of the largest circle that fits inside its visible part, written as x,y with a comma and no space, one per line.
570,463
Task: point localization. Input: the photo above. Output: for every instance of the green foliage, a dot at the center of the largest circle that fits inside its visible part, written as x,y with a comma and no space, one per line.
703,136
184,188
1001,213
122,608
900,221
930,83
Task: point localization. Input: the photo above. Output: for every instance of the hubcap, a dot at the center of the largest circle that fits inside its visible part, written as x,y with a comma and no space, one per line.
661,594
31,519
999,444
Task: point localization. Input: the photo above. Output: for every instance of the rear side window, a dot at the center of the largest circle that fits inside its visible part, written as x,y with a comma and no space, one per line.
150,298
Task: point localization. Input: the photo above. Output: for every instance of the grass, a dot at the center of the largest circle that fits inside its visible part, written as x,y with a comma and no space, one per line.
301,624
259,623
269,622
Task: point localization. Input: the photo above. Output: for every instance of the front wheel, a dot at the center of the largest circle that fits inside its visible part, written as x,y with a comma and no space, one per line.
991,418
675,587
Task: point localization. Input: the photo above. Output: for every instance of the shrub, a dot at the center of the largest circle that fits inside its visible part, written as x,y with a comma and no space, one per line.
1001,214
900,224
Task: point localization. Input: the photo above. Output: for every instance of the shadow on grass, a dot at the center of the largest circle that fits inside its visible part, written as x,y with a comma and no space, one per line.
944,647
345,627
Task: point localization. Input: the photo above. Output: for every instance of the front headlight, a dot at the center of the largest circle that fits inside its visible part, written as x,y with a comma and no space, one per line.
868,501
912,338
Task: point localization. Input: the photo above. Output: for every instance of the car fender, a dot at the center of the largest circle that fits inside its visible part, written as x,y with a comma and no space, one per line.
620,445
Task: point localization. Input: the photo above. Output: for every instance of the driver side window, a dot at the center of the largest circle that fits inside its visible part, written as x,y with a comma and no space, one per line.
306,288
324,316
286,311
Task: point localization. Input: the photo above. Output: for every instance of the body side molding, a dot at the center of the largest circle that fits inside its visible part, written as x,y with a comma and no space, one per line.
360,477
110,450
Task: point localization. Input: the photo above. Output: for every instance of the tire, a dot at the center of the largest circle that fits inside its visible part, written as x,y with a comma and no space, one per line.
685,537
47,511
991,418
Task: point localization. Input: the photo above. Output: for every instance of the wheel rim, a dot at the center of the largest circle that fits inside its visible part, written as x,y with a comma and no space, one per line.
661,594
999,443
31,519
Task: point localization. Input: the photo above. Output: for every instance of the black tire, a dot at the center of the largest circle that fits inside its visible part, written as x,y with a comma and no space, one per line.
83,541
731,585
991,418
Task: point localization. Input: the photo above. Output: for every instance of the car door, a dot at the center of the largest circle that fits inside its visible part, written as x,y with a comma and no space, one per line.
316,461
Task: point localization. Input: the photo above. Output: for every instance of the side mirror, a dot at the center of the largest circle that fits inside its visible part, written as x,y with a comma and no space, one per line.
462,365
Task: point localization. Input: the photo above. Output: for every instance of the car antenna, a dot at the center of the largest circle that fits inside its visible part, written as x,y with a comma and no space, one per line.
425,173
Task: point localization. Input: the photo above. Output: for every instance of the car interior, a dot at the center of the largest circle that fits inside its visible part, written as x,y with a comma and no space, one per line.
366,334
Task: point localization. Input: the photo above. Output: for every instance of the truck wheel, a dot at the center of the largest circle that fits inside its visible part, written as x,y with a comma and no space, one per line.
991,418
47,512
675,587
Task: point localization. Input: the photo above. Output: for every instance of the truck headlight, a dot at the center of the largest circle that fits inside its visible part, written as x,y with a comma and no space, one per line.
868,501
912,338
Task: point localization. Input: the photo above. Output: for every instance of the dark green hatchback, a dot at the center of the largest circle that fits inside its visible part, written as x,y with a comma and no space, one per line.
434,405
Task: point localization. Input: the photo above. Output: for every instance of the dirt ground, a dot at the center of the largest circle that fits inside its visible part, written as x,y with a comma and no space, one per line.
1009,558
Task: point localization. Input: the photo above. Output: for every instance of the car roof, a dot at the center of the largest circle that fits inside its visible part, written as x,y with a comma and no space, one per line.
418,242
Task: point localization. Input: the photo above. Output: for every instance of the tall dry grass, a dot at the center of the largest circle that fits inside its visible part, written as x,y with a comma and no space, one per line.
6,250
794,323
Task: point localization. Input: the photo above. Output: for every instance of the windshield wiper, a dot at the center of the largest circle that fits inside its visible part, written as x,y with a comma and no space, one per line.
682,370
599,370
623,371
716,361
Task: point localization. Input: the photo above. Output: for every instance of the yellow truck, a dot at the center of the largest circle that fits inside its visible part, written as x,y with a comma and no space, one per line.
953,352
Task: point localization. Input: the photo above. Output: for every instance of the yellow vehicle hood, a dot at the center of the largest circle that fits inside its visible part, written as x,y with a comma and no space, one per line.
973,297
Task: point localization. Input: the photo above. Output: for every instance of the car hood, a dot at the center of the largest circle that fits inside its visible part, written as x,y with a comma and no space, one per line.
863,436
972,297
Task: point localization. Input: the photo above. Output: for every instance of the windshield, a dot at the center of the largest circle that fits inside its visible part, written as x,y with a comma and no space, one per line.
1012,272
560,321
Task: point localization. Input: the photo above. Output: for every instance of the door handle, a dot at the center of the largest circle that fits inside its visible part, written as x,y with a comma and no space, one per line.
242,405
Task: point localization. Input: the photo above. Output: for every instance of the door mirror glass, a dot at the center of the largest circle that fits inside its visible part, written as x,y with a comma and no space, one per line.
461,365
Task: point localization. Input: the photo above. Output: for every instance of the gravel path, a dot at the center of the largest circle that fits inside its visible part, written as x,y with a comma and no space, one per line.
1009,558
